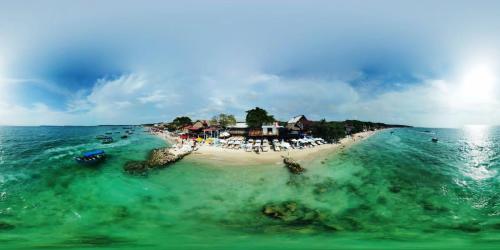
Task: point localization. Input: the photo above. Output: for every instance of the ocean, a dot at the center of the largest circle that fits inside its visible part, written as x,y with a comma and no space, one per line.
394,190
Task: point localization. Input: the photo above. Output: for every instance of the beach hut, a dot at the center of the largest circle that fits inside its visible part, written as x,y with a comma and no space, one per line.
298,126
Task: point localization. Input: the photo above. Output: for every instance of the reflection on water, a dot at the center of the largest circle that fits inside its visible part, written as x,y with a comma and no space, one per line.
479,150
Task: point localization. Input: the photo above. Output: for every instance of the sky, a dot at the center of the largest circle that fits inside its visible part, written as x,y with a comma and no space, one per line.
421,63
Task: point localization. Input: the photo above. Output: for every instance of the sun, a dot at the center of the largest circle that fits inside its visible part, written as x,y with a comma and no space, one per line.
478,84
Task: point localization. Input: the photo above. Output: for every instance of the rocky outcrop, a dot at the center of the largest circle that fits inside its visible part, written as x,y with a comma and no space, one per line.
293,166
158,158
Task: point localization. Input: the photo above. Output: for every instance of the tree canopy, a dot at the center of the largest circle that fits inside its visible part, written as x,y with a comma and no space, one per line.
180,122
330,131
257,116
223,120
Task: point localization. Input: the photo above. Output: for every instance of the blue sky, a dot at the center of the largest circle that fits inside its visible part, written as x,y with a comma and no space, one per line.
93,62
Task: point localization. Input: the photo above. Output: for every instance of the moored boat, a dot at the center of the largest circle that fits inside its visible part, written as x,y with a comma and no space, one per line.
107,140
91,157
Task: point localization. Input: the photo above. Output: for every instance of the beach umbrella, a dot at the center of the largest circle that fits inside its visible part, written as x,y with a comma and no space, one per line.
199,139
224,134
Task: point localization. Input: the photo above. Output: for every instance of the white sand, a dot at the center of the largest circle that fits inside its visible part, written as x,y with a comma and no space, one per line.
224,156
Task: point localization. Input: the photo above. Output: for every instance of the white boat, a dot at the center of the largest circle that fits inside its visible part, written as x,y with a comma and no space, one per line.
276,145
256,146
249,145
265,145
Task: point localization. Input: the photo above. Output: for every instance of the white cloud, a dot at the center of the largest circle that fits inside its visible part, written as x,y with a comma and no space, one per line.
137,98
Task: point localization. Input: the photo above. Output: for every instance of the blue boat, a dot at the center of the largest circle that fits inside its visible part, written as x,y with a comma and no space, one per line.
91,157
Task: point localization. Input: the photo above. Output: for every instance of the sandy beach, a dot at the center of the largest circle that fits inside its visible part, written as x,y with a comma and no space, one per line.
223,156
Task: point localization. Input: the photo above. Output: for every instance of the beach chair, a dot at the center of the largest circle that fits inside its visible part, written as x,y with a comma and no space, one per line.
265,145
249,145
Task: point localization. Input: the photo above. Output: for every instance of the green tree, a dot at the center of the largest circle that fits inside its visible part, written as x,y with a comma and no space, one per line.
223,120
330,131
257,116
181,121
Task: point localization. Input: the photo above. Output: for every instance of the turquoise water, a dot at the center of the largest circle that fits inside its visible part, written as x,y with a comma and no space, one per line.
392,191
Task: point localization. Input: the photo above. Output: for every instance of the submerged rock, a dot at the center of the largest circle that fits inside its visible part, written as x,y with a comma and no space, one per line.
293,166
297,215
6,226
135,167
290,211
324,187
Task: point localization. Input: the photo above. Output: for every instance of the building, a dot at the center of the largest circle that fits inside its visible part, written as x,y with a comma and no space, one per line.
240,128
298,126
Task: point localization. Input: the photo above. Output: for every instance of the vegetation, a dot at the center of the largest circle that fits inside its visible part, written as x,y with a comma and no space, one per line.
223,120
179,122
333,131
330,131
257,116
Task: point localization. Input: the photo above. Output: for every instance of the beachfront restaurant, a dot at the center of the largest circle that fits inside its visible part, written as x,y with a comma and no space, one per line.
267,130
298,126
238,129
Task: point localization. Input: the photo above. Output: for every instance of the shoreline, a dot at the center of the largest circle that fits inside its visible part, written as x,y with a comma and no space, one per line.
218,156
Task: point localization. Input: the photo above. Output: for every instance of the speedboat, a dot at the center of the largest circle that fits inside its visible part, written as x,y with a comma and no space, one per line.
107,140
91,157
434,139
124,136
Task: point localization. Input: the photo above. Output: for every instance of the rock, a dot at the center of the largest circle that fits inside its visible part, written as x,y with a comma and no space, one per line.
135,167
324,186
6,226
394,189
291,212
293,166
158,158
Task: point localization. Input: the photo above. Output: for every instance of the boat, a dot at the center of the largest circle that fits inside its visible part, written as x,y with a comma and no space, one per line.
100,137
109,133
124,137
107,140
91,157
434,139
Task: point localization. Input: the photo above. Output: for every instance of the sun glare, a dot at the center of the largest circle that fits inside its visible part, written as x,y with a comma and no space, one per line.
478,84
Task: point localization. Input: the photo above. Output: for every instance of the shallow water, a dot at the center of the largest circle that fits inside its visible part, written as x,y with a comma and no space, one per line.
394,190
